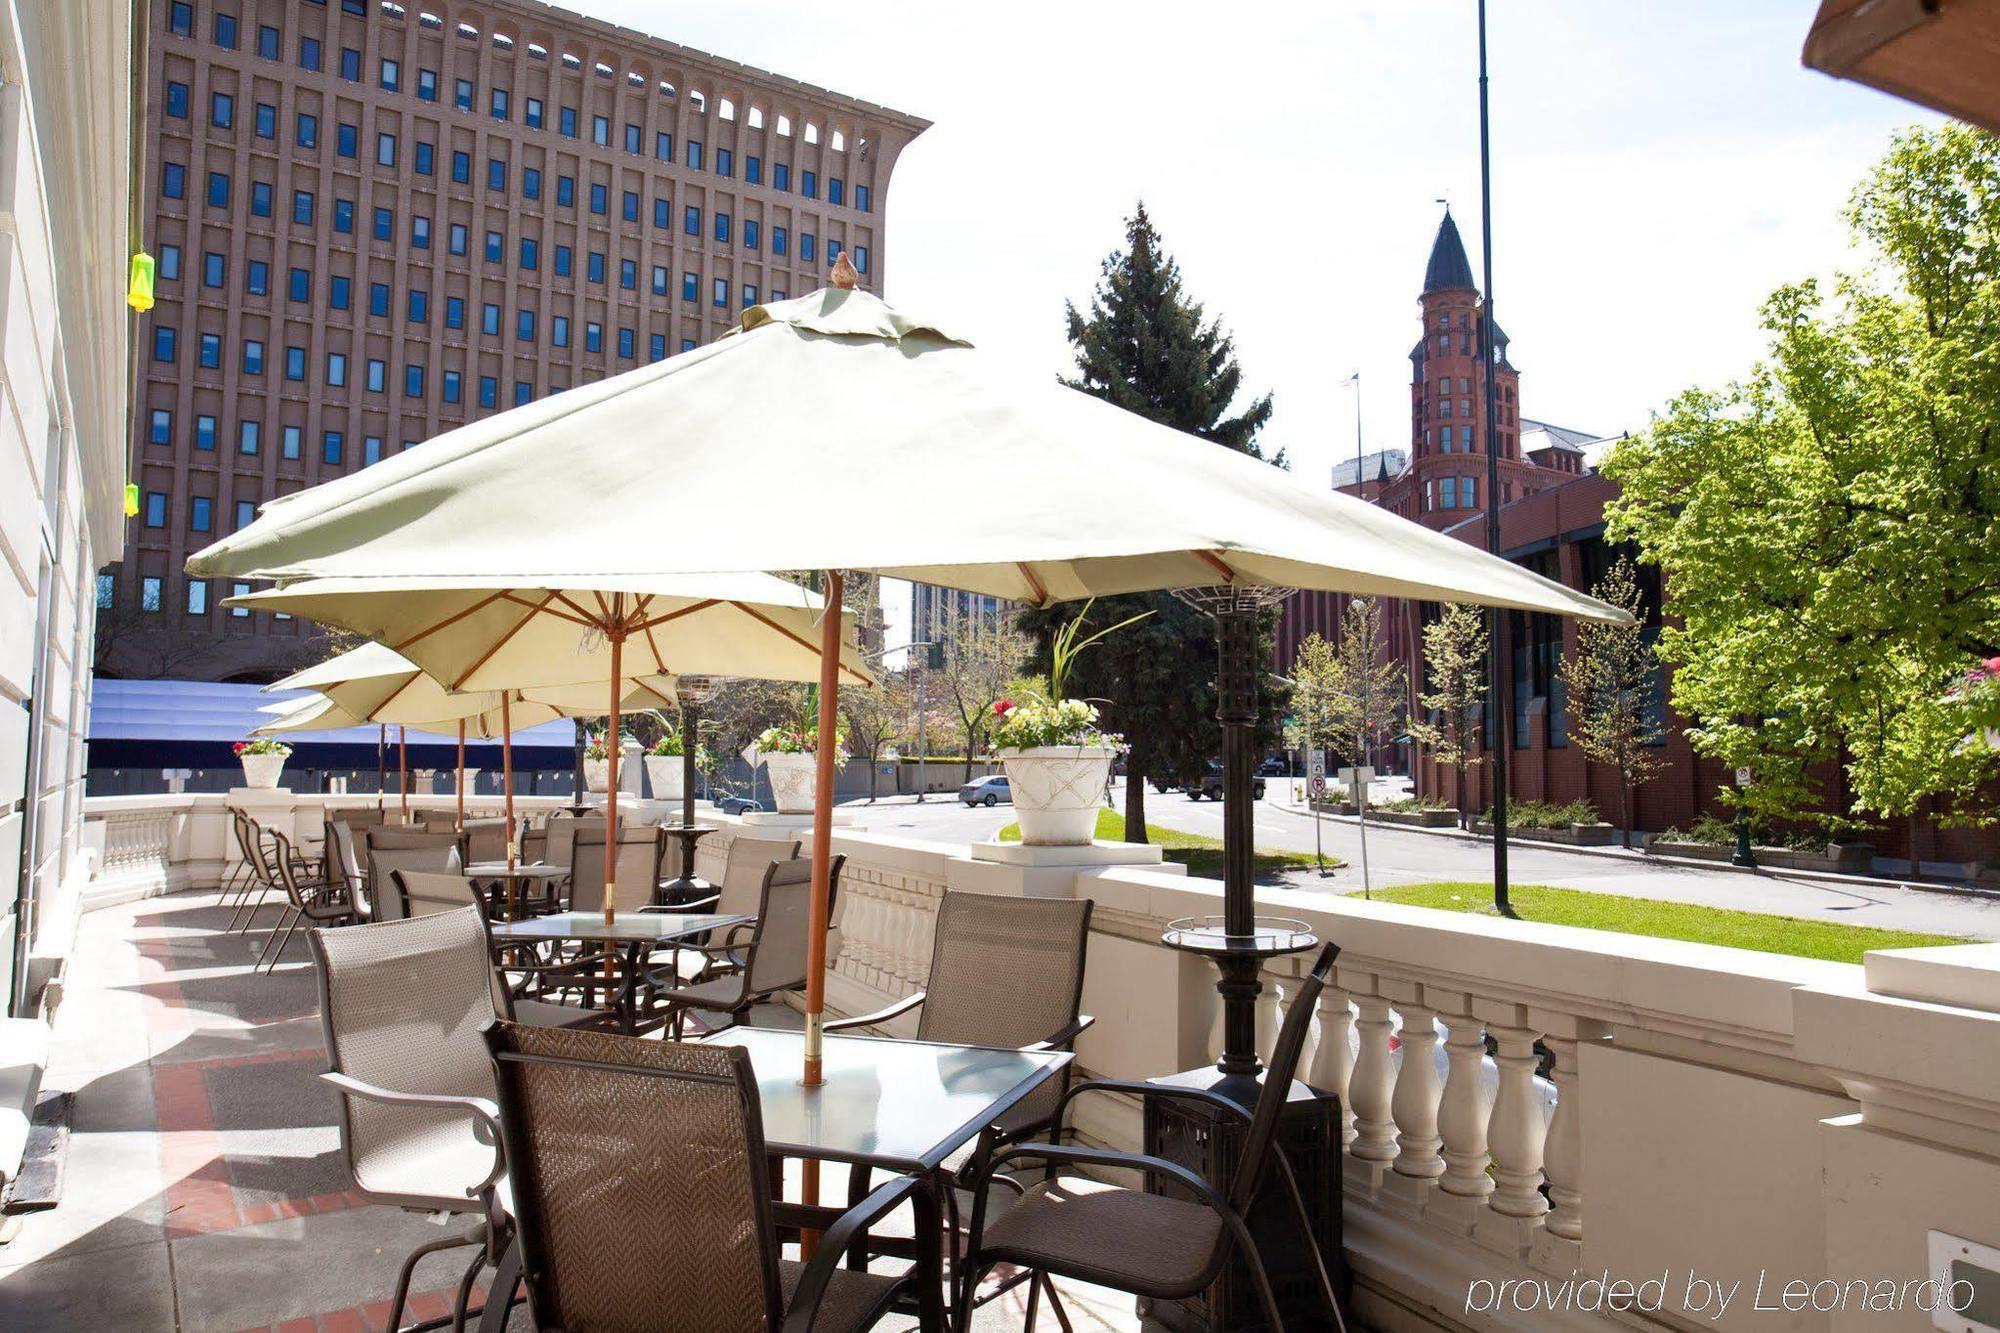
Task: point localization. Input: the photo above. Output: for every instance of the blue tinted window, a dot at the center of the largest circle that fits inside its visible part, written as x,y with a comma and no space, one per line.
530,253
753,170
221,110
781,176
302,211
662,213
201,512
861,198
626,343
413,381
164,340
566,191
663,146
267,121
598,198
267,42
594,268
531,182
161,430
378,298
170,263
633,139
350,64
295,368
347,140
725,162
306,130
260,199
694,154
156,517
211,352
330,447
225,31
630,206
418,306
690,286
566,122
257,278
309,53
454,312
777,240
691,220
489,391
177,100
340,292
180,19
173,180
656,347
426,159
496,174
628,274
343,215
461,166
722,227
593,337
809,184
563,254
214,270
218,189
385,224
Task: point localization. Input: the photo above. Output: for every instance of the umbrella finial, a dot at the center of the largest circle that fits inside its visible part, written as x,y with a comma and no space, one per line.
844,275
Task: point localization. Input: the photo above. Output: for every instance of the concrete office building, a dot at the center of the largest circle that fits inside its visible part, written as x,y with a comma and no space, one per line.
377,221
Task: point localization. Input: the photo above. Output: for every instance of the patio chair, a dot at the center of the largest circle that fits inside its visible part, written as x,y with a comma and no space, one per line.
485,840
742,886
258,880
388,850
241,881
772,947
344,862
401,1006
427,894
306,899
642,1197
1004,972
534,843
638,867
1158,1246
561,831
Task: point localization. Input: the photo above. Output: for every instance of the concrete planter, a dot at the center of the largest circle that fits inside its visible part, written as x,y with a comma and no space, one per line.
262,770
1693,851
1576,835
792,778
597,774
665,772
1415,818
1058,790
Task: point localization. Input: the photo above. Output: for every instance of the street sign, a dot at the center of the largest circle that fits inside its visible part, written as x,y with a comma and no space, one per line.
1349,776
1743,777
1315,774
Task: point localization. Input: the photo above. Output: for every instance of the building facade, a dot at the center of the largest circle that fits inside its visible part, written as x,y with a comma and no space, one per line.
935,611
66,124
376,221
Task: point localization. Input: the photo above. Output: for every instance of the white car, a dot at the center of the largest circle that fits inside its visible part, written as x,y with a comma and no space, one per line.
988,791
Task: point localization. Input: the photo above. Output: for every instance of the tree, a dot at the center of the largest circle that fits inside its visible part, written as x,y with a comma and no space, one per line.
1826,527
876,716
1315,680
1150,348
1609,683
981,657
1455,677
1368,687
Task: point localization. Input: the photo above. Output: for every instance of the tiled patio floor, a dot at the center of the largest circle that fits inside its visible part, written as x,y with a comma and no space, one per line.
205,1188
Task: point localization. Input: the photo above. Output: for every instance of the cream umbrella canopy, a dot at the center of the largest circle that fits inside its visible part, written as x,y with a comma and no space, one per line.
772,440
512,631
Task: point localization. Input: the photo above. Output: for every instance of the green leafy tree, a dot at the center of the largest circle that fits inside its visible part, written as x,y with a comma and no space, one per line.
1368,689
1315,681
1454,697
1829,527
1149,347
1608,683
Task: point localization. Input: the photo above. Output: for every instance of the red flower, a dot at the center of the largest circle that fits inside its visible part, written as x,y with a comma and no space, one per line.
1992,665
1003,707
239,747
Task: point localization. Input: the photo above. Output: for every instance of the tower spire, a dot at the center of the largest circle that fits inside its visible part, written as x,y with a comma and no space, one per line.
1448,269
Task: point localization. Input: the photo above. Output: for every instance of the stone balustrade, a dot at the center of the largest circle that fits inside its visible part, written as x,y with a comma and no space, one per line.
1523,1104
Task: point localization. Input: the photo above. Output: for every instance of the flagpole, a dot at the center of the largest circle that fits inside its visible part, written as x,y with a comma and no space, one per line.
1496,711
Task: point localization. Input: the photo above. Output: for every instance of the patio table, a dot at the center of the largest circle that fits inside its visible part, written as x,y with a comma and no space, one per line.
514,876
637,932
889,1102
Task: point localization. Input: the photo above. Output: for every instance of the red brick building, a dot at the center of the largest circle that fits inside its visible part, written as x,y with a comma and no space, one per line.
1552,504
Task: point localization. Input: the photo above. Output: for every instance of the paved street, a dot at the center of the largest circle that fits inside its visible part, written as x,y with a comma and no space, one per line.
1406,856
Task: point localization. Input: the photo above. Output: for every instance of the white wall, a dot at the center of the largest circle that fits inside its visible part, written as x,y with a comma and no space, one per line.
65,98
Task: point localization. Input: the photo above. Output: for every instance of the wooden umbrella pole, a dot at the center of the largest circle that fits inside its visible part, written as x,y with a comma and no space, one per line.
507,791
459,784
611,748
822,826
403,768
381,765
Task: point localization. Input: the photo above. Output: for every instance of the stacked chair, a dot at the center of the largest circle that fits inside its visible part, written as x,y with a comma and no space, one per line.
765,956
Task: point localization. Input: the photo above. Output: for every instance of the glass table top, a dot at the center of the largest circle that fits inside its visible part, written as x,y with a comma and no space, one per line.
519,870
630,927
905,1104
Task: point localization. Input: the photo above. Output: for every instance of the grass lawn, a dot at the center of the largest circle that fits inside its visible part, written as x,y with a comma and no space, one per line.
1201,855
1673,921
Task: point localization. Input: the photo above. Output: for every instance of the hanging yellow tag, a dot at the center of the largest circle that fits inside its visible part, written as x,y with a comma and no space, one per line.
139,287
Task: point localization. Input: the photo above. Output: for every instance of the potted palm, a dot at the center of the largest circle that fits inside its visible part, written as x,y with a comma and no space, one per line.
1056,756
790,752
263,761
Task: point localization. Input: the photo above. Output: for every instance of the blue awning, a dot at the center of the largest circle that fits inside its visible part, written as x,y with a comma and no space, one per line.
206,710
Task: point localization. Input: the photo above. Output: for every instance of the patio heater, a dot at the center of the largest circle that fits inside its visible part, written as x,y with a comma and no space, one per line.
1203,1138
687,887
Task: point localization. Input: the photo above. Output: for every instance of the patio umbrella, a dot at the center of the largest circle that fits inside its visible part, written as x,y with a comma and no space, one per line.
514,631
775,442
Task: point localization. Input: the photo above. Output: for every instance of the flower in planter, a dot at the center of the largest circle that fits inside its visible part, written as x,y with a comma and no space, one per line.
799,739
1058,720
262,745
595,748
671,746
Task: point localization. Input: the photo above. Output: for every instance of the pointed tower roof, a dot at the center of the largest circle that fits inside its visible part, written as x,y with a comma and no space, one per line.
1449,269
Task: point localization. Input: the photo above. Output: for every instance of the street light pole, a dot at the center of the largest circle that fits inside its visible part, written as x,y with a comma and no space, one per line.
923,707
1496,712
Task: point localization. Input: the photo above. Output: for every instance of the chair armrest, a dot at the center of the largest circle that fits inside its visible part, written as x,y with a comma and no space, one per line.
1125,1161
1063,1040
834,1242
485,1116
896,1010
1141,1089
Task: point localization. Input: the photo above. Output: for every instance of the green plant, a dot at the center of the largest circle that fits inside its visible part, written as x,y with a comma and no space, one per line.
793,739
1400,805
1708,831
1040,722
1546,814
1064,647
261,745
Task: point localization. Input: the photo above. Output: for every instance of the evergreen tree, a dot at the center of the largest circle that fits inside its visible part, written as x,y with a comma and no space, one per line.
1150,348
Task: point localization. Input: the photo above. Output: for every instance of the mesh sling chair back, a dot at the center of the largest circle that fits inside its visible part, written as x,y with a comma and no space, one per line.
561,832
744,865
307,898
642,1196
402,1005
426,894
773,947
485,840
1161,1246
391,849
638,867
259,880
344,862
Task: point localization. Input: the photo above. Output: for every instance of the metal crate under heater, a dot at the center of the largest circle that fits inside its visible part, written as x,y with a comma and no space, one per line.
1195,1136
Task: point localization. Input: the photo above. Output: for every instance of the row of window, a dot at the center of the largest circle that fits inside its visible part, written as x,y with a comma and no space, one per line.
1451,493
152,595
382,222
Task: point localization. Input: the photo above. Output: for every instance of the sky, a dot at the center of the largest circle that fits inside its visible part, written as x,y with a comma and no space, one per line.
1658,168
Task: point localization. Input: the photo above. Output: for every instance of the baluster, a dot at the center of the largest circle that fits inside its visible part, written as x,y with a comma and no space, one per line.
1562,1239
1333,1056
1270,1013
927,910
857,936
1516,1132
1462,1115
1371,1087
914,923
1415,1100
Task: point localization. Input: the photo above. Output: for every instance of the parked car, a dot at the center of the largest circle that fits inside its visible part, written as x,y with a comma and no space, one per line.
988,791
1211,785
738,805
1275,767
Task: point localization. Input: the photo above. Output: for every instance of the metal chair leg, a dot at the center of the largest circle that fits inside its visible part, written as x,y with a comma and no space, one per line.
1034,1300
409,1270
269,940
295,917
465,1291
246,910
